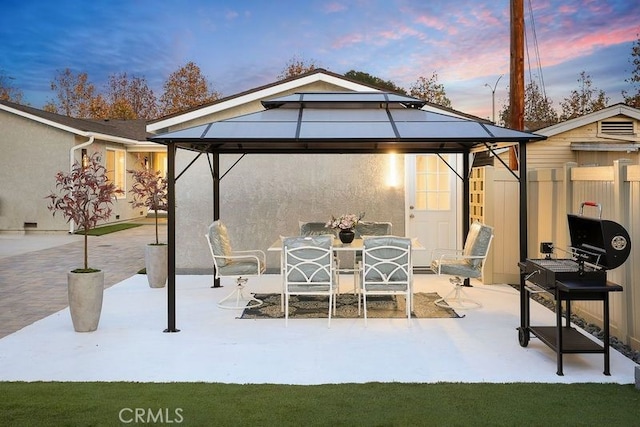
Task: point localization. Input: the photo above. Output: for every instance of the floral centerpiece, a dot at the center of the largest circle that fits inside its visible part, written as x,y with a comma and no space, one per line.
344,222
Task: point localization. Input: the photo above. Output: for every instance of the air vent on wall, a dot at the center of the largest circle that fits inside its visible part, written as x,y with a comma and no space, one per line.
617,127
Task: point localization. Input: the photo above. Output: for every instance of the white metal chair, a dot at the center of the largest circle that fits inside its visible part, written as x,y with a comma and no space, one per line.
386,269
237,264
464,264
362,229
309,269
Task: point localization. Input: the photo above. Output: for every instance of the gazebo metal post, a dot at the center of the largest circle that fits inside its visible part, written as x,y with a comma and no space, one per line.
216,203
524,243
171,238
466,211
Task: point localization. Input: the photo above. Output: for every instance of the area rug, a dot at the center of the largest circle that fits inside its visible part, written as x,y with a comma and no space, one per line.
378,306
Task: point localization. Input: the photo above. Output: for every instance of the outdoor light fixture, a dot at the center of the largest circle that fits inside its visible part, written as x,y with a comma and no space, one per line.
85,159
392,176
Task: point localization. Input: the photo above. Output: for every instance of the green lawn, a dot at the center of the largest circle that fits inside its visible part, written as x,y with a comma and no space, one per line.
372,404
99,231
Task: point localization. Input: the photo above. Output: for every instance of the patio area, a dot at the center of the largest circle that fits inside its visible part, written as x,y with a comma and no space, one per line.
213,345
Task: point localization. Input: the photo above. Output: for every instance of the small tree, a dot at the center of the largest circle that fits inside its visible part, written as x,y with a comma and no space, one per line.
150,190
84,196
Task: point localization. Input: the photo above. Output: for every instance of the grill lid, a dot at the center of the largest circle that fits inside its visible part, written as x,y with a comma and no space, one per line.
600,241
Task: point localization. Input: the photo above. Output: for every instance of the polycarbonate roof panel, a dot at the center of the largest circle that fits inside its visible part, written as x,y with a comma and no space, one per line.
330,116
342,97
411,114
251,130
346,130
275,115
429,130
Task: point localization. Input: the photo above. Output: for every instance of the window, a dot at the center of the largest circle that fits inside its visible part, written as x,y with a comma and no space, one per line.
117,168
433,188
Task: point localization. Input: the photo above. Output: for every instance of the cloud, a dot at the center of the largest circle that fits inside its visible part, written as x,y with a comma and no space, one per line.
334,7
231,15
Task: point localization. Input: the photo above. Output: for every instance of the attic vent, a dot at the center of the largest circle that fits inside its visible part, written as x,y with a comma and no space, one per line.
617,128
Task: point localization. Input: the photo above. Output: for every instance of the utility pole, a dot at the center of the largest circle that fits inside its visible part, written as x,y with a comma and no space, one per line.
493,98
516,95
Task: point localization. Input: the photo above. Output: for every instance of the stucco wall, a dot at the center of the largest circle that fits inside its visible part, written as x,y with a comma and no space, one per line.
265,196
32,153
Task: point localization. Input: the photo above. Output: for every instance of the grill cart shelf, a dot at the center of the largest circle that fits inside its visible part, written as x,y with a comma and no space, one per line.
563,339
597,245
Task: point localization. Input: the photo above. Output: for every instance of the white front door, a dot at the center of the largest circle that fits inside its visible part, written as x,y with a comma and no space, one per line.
431,203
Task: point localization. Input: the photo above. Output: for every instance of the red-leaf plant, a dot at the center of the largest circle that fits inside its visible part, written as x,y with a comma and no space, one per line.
150,190
84,196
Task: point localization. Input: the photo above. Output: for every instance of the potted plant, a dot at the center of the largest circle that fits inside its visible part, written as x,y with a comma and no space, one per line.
84,196
150,190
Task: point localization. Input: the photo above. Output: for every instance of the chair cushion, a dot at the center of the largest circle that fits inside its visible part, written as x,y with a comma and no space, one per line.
241,268
370,228
220,243
462,268
386,271
477,243
315,229
308,265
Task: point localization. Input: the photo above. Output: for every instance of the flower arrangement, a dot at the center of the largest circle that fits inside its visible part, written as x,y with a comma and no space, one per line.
344,222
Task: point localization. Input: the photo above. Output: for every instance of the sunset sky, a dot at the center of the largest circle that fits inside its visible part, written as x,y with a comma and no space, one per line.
243,44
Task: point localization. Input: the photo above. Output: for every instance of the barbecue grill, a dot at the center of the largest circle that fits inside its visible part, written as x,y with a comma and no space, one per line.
597,245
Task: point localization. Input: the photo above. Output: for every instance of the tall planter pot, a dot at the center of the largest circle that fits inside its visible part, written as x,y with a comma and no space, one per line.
156,259
85,299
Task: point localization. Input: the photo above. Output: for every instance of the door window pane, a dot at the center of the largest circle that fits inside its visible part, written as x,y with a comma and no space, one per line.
433,186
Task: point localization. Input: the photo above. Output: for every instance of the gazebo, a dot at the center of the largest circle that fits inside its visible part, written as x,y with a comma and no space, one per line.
339,123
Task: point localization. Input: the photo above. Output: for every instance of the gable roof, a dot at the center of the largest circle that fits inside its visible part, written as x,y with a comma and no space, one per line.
128,132
605,113
275,89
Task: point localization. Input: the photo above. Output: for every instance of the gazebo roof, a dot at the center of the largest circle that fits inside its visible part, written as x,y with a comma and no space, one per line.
343,122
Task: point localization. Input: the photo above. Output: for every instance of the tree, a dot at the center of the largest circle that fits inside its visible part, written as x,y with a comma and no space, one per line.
7,91
583,100
186,88
295,67
428,89
74,94
149,190
85,196
368,79
130,98
633,99
538,110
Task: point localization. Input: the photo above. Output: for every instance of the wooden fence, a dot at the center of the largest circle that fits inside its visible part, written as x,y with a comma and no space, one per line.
553,193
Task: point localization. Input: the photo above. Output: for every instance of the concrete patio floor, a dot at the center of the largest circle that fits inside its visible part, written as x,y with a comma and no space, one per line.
214,346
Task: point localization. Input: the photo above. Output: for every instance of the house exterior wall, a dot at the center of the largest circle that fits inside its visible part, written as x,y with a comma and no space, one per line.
32,154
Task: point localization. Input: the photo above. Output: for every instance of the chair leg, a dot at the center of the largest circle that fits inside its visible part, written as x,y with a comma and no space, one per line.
238,296
286,310
457,298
